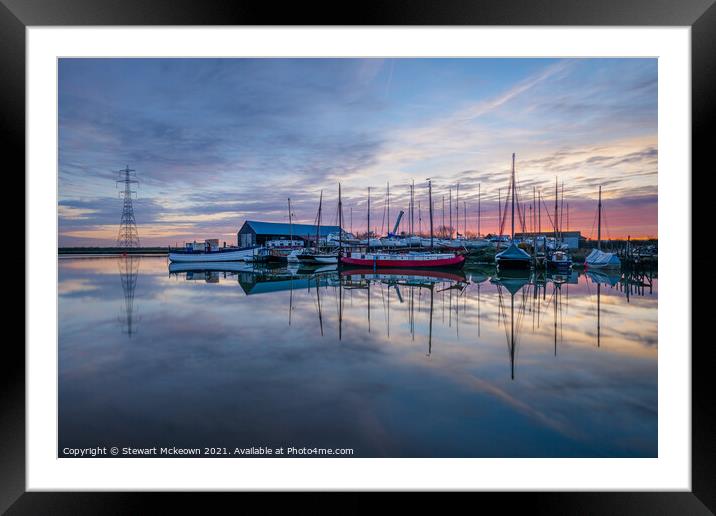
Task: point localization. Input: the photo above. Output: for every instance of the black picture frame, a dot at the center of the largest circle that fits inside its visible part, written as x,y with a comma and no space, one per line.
700,15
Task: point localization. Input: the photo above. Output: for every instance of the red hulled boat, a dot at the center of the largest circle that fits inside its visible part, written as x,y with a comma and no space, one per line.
404,260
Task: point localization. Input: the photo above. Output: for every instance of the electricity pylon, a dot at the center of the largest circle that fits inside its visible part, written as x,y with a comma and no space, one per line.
128,235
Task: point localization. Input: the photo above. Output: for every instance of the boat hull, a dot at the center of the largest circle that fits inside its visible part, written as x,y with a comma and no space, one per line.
405,263
611,266
317,259
560,266
600,260
508,263
216,256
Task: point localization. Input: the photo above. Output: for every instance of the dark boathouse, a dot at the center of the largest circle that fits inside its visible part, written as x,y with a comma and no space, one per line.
258,233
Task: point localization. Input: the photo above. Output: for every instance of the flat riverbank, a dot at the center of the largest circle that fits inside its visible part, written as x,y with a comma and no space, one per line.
158,251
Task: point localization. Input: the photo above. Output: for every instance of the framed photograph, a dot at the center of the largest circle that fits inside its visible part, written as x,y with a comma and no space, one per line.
413,250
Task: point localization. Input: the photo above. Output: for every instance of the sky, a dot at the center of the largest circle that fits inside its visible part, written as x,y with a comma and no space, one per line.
215,142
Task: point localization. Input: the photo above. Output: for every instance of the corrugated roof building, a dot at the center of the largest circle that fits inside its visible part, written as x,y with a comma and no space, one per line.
258,233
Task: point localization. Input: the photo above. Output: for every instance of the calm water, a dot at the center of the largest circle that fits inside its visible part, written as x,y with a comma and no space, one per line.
466,364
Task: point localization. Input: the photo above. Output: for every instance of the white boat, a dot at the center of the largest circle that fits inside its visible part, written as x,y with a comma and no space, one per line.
393,242
475,243
230,254
413,241
372,242
320,257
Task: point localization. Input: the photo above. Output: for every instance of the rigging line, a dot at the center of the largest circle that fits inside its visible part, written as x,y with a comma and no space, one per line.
549,217
547,303
594,222
606,226
504,214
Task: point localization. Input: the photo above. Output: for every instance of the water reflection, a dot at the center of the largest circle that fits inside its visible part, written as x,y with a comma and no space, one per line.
518,293
390,362
128,266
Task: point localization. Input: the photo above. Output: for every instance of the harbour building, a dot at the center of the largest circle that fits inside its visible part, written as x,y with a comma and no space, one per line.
258,233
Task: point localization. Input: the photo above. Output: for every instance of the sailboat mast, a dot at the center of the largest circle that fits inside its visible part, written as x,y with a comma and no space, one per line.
499,213
561,217
420,220
369,216
539,212
388,195
450,213
457,210
556,212
534,216
512,237
430,202
599,218
318,224
479,208
340,220
412,208
290,221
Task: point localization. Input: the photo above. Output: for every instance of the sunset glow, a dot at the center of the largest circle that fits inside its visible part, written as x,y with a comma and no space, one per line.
216,142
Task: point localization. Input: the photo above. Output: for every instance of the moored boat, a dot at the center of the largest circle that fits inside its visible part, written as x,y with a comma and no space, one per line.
599,259
513,258
230,254
241,266
317,257
404,260
559,260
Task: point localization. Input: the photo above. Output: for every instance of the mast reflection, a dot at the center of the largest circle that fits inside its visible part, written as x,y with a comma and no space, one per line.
513,281
450,288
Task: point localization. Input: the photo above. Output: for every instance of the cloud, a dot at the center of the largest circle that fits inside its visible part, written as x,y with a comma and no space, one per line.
215,141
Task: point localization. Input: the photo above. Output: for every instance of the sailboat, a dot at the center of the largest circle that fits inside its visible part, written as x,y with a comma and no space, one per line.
558,259
513,257
409,260
317,256
598,259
